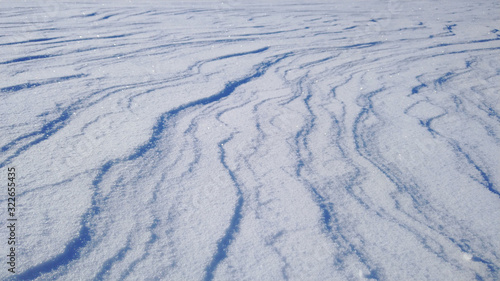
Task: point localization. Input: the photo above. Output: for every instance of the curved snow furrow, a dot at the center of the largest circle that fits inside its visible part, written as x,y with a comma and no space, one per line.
243,165
29,41
95,39
304,155
70,253
484,176
228,89
191,71
438,83
419,200
363,139
72,250
41,135
53,126
30,85
362,147
257,144
143,257
233,228
106,266
29,58
328,216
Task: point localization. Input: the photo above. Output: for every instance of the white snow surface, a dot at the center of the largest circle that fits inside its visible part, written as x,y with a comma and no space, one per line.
238,140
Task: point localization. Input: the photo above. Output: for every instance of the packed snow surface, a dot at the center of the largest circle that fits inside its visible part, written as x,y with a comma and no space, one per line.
243,140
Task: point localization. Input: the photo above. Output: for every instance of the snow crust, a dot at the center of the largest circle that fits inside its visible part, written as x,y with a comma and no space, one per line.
272,140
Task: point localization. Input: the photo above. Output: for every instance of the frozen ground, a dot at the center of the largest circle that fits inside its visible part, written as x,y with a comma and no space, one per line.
263,141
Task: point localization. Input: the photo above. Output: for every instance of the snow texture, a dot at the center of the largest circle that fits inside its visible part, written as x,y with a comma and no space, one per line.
243,140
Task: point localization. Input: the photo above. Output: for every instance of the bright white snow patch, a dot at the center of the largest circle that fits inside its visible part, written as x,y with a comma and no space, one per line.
271,140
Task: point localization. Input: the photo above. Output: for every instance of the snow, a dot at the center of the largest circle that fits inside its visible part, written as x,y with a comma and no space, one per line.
271,140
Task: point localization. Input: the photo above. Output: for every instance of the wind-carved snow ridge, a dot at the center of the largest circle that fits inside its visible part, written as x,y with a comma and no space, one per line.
228,89
253,141
232,230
